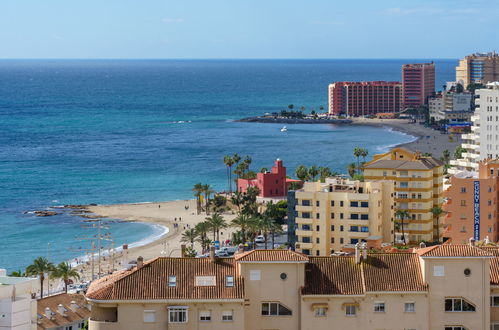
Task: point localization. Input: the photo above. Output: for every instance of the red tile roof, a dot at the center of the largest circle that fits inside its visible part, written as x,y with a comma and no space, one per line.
271,255
57,320
452,250
333,275
151,281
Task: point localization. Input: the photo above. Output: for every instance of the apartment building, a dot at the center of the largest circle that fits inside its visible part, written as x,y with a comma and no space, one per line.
438,287
365,98
452,107
338,212
478,68
483,141
472,205
17,303
418,81
418,188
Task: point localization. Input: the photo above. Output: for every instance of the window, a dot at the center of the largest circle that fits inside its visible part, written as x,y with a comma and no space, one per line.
354,216
354,204
404,184
364,204
275,309
254,275
341,240
409,307
341,203
332,227
455,327
317,215
379,307
354,240
332,203
305,215
354,228
320,311
332,240
305,227
341,215
494,301
227,316
305,202
204,315
317,203
332,215
69,328
305,239
341,228
364,229
463,202
364,217
229,281
458,305
149,316
317,228
177,314
317,240
306,252
350,310
172,280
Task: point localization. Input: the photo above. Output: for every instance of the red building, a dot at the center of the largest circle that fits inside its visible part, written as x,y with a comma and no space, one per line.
418,81
364,98
270,184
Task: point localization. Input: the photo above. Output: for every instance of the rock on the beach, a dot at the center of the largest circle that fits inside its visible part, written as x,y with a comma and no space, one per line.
46,213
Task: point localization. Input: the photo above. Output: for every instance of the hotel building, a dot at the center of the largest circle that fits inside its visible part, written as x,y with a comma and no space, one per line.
418,188
439,287
451,106
483,141
478,68
327,216
418,81
364,98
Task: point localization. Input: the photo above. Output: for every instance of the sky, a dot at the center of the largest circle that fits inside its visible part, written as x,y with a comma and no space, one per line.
206,29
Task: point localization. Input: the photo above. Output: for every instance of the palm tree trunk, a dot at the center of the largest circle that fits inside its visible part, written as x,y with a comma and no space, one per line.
41,286
265,241
272,233
230,180
403,233
65,286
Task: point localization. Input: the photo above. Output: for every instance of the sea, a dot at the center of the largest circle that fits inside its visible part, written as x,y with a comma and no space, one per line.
127,131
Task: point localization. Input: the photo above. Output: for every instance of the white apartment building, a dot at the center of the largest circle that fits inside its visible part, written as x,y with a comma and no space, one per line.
17,307
483,141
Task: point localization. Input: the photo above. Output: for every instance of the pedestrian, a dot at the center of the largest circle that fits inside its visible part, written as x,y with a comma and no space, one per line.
175,219
179,219
159,206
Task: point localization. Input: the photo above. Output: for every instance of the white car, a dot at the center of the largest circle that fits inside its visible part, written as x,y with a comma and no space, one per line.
260,239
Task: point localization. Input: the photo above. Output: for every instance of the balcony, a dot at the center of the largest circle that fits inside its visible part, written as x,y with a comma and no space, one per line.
102,325
306,221
303,208
303,246
303,232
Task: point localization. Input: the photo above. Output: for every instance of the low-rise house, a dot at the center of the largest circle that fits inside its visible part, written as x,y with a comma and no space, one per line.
62,312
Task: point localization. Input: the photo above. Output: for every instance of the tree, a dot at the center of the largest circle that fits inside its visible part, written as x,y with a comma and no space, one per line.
313,171
291,106
189,236
204,242
474,86
40,267
238,200
229,162
437,212
352,169
458,153
216,222
277,211
302,172
264,170
446,156
64,272
402,215
324,172
265,225
249,201
242,222
207,191
198,191
363,153
202,229
357,152
18,273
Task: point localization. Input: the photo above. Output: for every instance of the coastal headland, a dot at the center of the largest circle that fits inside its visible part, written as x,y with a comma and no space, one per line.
281,120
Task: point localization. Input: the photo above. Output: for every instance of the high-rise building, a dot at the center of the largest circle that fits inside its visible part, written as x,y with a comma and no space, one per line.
418,188
478,68
483,141
340,212
418,81
364,98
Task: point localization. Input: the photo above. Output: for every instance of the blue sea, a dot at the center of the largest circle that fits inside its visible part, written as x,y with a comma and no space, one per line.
120,131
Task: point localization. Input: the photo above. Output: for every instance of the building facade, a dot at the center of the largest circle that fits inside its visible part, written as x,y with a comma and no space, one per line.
339,212
450,106
364,98
418,188
17,303
438,287
418,81
479,68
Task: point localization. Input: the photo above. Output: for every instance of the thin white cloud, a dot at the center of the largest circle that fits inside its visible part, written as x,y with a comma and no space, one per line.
172,20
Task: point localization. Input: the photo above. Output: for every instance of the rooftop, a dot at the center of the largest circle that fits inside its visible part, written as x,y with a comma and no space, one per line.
453,251
419,164
77,313
271,256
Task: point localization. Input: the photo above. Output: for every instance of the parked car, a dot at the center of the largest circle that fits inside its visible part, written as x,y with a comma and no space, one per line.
260,239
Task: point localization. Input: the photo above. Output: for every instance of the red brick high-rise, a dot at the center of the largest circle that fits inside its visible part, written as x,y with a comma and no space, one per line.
365,98
418,81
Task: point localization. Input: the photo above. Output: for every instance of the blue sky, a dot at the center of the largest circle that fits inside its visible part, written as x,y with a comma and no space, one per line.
247,28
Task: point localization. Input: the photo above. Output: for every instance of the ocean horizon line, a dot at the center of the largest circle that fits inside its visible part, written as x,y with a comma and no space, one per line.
231,59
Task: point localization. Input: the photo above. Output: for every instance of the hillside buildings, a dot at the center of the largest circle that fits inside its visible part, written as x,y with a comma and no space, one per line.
451,106
438,287
17,303
418,81
364,98
418,188
327,216
273,184
478,68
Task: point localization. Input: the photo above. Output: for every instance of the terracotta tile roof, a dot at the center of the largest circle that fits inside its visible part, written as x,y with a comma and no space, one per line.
151,281
494,271
271,255
494,250
333,275
453,250
393,272
57,320
381,272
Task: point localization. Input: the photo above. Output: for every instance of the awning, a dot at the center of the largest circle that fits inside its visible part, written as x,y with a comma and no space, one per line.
320,305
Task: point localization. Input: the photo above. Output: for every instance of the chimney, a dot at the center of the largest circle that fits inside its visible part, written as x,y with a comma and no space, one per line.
212,253
422,245
182,250
140,262
48,313
61,310
364,251
73,306
357,253
472,241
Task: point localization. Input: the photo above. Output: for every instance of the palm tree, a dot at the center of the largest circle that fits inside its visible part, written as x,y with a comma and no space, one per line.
301,172
363,153
238,200
402,215
204,242
229,161
207,190
264,170
18,273
265,225
446,156
357,152
437,212
198,191
40,267
189,236
64,272
324,172
216,222
313,171
242,222
351,168
275,229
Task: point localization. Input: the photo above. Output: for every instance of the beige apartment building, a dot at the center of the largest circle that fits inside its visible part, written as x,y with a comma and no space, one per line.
418,187
439,287
340,212
478,68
